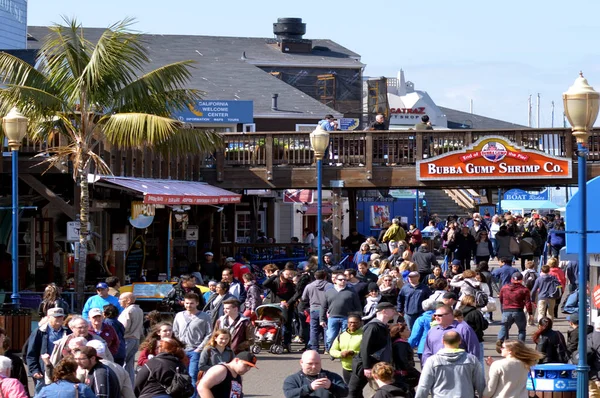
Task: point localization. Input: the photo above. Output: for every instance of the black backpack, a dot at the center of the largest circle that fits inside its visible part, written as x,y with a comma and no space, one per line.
481,299
530,279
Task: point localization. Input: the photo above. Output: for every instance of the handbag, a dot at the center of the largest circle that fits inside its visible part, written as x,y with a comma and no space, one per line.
491,305
513,246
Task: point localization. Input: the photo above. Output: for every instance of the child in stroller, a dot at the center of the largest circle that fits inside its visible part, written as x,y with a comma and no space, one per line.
268,329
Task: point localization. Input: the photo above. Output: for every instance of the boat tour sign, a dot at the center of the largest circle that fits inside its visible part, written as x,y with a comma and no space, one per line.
493,157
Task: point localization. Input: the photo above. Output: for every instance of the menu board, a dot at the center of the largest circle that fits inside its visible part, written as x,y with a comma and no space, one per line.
151,289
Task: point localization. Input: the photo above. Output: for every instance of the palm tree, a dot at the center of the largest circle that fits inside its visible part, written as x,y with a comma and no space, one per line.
93,92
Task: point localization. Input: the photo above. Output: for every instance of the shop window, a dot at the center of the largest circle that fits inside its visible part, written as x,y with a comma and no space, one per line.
243,231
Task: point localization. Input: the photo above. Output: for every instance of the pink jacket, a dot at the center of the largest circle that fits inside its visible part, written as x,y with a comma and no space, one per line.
12,388
560,275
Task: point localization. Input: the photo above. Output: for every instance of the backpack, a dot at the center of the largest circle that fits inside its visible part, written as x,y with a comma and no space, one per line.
481,299
181,386
530,278
556,289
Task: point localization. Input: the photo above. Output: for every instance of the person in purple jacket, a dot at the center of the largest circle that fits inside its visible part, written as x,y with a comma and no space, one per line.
445,318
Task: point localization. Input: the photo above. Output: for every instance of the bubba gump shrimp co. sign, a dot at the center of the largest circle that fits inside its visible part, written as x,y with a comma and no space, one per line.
493,157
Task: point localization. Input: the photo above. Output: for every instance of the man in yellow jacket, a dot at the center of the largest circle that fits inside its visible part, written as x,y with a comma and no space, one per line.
347,344
395,232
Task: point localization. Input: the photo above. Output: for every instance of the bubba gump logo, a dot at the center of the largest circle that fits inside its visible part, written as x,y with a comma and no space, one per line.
493,157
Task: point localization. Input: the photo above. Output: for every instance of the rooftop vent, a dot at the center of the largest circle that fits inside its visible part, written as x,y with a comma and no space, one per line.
289,33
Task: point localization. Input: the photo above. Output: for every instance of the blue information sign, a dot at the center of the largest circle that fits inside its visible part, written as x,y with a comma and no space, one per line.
217,111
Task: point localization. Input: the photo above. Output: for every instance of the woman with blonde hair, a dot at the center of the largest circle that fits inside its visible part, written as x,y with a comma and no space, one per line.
508,376
217,350
384,267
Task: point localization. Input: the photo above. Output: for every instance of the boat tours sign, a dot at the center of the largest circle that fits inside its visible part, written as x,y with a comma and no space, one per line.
493,157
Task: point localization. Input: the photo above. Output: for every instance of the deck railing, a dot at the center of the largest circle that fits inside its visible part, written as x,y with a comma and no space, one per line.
347,149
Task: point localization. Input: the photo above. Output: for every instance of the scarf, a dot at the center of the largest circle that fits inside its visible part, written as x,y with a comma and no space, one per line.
371,304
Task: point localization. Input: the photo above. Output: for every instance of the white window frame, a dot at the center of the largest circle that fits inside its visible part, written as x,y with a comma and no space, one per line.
261,222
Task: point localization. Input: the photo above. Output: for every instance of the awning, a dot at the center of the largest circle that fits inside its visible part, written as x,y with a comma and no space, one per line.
527,204
174,192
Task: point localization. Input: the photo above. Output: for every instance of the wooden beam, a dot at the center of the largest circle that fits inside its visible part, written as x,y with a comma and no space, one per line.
47,193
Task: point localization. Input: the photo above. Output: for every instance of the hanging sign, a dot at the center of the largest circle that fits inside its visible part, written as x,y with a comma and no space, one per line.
120,242
191,233
493,157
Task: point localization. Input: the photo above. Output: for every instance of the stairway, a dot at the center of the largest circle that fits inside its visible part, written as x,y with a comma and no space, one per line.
440,203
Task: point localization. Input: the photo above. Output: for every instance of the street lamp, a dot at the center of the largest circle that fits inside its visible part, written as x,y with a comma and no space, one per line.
581,108
15,127
319,141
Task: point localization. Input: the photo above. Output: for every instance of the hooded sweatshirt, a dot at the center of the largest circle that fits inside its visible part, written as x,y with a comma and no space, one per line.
314,293
424,259
451,373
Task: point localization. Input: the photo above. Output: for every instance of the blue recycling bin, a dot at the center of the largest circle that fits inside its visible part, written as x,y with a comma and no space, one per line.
552,380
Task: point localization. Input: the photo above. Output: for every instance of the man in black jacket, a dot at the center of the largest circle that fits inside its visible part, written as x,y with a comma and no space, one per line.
313,381
186,284
282,290
425,261
102,380
376,346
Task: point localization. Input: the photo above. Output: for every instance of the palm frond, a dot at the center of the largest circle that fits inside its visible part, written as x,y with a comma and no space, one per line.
16,71
161,103
191,141
132,130
117,59
169,78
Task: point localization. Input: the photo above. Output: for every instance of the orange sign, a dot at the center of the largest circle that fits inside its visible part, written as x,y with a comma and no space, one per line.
596,296
493,157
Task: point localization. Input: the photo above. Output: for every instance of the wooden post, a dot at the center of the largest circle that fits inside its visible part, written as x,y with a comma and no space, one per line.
220,155
337,211
369,154
419,148
269,156
569,144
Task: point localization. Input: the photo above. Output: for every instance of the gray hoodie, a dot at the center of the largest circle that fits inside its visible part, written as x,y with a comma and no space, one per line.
314,293
451,373
194,331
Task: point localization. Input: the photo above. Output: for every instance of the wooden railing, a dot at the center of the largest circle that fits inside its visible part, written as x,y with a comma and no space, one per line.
347,149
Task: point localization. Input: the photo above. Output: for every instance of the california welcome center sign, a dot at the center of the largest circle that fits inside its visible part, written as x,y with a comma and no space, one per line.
493,157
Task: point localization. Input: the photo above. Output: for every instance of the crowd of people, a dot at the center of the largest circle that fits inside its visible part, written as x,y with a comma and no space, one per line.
373,315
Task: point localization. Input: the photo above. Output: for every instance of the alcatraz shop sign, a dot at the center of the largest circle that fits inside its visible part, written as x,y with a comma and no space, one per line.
493,157
217,112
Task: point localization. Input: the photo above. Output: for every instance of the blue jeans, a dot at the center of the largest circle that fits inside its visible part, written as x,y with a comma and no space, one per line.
316,330
193,369
132,346
508,318
334,327
410,319
495,246
39,384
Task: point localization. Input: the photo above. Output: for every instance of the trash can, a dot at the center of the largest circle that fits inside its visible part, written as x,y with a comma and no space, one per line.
552,380
17,324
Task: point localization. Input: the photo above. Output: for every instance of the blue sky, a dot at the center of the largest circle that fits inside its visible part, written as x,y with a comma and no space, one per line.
495,53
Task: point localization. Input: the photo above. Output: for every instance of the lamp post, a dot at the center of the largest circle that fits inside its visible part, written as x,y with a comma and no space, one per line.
15,127
319,141
581,108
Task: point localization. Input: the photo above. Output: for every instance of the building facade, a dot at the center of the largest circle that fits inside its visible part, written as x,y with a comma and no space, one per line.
13,24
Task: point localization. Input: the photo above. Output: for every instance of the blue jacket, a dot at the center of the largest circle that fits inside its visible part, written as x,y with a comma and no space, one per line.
98,302
38,345
65,389
556,238
543,287
504,274
411,298
572,272
418,334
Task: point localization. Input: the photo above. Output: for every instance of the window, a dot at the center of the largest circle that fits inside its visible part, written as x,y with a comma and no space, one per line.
242,225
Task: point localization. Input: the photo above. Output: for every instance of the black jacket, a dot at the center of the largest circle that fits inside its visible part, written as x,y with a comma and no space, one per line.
475,319
465,245
376,346
298,385
305,279
176,295
573,340
593,355
155,374
552,344
391,391
103,381
278,291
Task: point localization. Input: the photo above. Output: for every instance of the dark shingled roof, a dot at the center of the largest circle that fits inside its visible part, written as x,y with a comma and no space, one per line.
227,68
458,119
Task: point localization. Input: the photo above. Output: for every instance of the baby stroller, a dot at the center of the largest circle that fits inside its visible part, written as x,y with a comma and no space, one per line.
268,334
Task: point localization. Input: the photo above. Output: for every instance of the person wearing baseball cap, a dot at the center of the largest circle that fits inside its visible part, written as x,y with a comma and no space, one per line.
225,380
100,300
210,268
41,341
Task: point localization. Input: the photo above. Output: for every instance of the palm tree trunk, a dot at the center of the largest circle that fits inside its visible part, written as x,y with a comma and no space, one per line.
83,234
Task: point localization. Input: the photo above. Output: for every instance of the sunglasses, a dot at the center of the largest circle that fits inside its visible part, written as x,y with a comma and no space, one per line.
440,315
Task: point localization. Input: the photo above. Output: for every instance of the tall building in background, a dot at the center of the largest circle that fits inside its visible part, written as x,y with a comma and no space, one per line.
13,24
